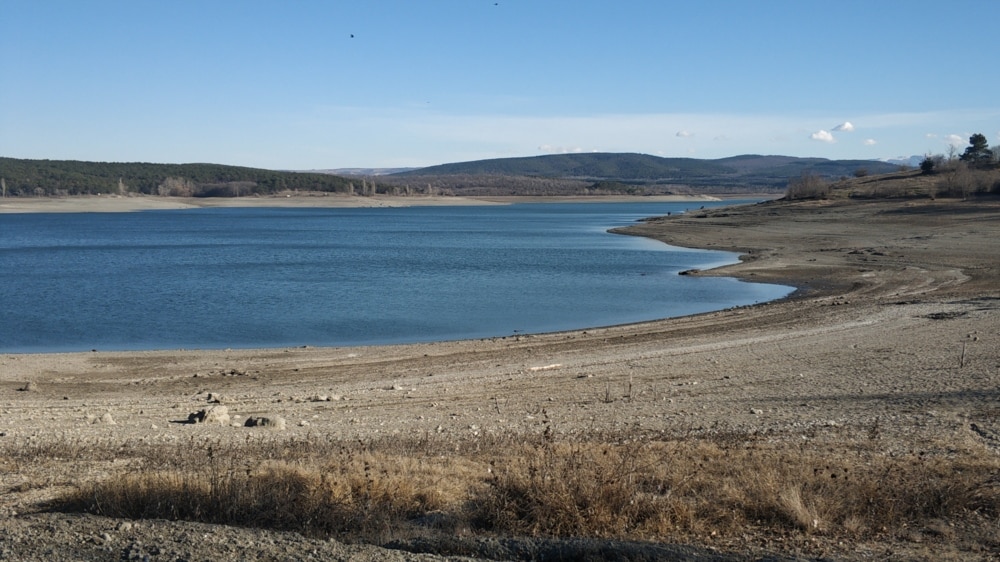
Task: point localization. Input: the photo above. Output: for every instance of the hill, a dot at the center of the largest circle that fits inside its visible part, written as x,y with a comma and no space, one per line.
748,172
952,179
71,177
560,174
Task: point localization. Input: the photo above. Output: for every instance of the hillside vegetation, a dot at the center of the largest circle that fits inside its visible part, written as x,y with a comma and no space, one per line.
951,180
564,174
650,174
975,172
70,177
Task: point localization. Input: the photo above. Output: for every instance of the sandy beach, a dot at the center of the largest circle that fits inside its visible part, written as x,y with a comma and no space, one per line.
896,325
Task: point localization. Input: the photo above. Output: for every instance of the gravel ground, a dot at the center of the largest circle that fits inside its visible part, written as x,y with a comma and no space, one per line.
895,328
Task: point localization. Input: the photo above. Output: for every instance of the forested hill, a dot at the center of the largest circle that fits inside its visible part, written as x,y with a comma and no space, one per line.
561,174
747,170
70,177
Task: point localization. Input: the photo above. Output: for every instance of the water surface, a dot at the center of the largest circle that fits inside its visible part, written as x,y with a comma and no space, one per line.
231,277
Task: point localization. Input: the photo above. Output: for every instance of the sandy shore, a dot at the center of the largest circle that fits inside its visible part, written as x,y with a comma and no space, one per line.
118,204
896,324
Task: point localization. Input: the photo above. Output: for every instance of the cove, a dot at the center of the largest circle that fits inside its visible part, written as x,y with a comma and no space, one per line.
274,277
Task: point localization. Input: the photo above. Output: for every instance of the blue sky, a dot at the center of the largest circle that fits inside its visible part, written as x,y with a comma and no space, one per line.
284,85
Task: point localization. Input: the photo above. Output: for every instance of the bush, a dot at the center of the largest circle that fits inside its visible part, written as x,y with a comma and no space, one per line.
807,186
962,181
927,166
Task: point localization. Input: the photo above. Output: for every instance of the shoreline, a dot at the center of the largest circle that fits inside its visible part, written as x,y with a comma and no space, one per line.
134,203
889,345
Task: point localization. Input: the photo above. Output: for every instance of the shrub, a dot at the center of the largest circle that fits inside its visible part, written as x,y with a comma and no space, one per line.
620,486
808,186
927,166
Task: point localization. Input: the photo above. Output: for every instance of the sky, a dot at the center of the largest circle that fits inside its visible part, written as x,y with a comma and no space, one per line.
311,84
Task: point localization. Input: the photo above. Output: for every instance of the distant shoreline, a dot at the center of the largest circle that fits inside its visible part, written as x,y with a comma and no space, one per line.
121,204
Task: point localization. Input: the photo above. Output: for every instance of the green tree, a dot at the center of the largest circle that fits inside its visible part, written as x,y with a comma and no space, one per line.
927,166
978,152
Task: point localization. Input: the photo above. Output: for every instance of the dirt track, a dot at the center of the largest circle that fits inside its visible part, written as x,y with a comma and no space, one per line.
896,327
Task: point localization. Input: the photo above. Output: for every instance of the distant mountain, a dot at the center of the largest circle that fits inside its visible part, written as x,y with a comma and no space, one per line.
595,165
361,171
750,171
913,161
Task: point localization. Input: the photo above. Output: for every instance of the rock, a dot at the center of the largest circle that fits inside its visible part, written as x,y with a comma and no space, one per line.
29,386
263,421
215,398
106,419
756,411
215,414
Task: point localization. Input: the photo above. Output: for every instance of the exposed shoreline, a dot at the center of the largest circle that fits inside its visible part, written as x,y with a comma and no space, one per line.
894,327
121,204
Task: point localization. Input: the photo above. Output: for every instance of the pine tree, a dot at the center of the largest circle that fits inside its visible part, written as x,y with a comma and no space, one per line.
978,153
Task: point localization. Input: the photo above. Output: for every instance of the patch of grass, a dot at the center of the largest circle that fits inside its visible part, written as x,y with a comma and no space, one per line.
626,488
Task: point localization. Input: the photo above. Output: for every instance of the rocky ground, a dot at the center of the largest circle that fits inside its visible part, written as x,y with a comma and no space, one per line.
895,329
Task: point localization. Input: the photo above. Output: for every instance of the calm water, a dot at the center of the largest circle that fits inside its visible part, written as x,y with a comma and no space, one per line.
217,278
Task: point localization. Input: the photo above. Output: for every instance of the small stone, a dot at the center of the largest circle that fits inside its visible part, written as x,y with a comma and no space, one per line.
756,411
263,421
215,414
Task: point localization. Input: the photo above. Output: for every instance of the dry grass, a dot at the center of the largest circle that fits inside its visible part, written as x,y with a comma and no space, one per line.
610,488
953,180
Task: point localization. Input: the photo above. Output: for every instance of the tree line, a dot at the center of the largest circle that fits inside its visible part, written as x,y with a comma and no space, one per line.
20,177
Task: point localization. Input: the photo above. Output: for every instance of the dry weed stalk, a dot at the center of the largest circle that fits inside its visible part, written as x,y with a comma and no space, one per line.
619,486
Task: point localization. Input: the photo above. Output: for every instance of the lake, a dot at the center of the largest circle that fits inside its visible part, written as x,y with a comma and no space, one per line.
274,277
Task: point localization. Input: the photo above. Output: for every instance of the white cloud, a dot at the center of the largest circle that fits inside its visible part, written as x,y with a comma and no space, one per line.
684,134
954,140
931,136
823,135
376,137
870,142
846,126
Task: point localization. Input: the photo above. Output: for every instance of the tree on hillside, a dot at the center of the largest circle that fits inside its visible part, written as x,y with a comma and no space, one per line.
927,165
978,152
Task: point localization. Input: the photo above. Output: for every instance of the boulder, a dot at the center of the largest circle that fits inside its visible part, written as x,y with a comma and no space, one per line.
215,414
263,421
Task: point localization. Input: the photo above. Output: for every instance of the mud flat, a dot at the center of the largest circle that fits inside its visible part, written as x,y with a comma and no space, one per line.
894,333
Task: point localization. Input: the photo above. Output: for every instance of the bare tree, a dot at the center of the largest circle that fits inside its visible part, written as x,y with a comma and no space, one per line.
808,186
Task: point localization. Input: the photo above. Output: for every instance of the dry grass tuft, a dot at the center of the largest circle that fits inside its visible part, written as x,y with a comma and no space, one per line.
609,488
